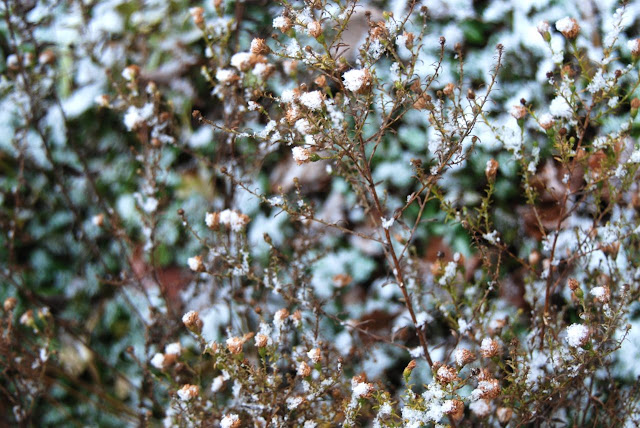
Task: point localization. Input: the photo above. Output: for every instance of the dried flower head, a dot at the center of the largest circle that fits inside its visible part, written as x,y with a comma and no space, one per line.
407,370
243,61
357,80
544,28
446,374
27,318
454,408
518,111
304,369
360,388
9,304
230,421
197,14
448,89
131,72
195,264
573,284
281,315
158,361
546,121
342,280
464,356
262,340
315,29
491,170
577,335
602,294
47,57
504,414
259,47
488,388
192,321
234,344
234,220
489,348
480,408
212,220
282,23
569,27
634,47
188,392
315,355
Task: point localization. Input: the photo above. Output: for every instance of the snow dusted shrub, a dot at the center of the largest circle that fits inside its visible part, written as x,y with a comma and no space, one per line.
320,213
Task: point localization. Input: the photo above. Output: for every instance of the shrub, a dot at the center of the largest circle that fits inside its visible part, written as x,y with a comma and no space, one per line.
320,213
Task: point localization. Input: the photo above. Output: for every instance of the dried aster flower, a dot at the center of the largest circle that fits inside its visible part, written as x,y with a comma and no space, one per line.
357,80
504,414
480,408
464,356
230,421
259,47
131,72
315,355
212,220
602,294
304,369
454,408
282,23
569,27
188,392
262,340
192,321
577,335
518,111
197,14
9,304
489,348
315,29
448,89
634,47
491,169
234,344
446,374
546,121
195,264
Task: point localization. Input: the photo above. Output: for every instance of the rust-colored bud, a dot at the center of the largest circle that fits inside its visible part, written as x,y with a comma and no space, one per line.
9,304
491,169
259,47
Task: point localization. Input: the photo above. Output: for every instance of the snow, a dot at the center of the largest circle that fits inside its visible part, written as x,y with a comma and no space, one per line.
294,402
229,421
559,107
577,335
135,116
241,60
387,223
173,348
158,361
565,24
280,22
312,100
224,75
300,154
354,80
634,45
194,263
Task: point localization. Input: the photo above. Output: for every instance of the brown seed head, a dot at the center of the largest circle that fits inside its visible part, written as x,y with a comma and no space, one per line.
192,321
10,304
491,169
504,415
259,47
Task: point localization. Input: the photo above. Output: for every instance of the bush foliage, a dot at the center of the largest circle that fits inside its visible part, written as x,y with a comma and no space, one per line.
320,213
